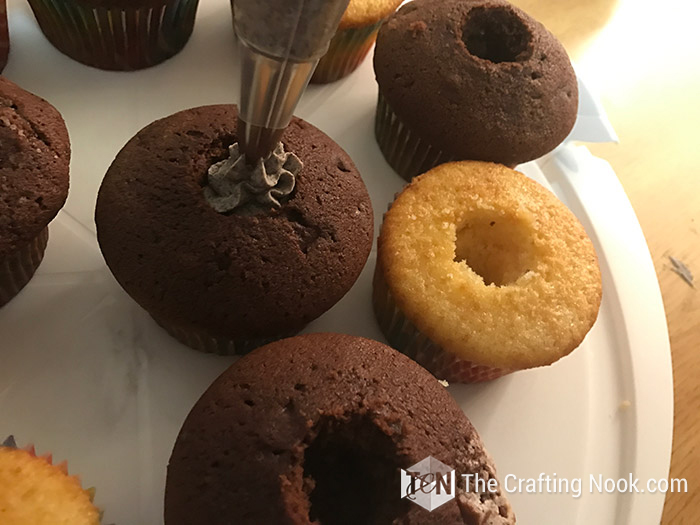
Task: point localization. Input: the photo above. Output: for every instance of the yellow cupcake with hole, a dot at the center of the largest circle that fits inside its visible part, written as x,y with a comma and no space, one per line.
482,271
35,492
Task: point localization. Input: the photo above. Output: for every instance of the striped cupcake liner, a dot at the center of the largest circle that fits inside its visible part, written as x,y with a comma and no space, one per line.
403,335
203,342
4,35
347,49
62,467
407,153
114,38
17,269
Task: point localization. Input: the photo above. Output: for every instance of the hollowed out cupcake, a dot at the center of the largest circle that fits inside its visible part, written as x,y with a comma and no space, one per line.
470,80
117,34
34,166
34,491
315,429
354,38
481,272
226,263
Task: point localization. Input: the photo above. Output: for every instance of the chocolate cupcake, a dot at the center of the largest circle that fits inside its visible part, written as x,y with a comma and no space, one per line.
352,41
470,80
117,34
225,264
34,165
316,429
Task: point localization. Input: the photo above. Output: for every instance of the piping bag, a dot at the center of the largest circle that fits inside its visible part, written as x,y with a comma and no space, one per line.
280,44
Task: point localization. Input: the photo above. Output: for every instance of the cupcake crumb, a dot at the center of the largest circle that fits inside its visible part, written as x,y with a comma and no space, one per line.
417,28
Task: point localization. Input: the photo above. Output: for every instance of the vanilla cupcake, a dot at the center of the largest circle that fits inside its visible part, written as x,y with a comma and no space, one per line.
354,38
481,272
34,491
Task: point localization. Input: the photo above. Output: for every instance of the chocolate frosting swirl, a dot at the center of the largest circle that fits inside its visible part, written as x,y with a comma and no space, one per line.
235,187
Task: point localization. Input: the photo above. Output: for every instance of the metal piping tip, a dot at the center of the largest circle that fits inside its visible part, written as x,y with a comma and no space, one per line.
257,142
270,90
280,44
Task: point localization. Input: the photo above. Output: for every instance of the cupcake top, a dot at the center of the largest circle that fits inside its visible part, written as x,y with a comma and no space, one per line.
34,164
314,429
261,273
479,79
490,265
33,491
360,13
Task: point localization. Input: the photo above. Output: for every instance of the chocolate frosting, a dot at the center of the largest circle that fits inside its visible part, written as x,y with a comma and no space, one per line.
234,186
308,23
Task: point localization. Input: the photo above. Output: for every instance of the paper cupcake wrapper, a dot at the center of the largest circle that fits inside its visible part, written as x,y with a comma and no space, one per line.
4,35
17,269
204,342
403,335
405,151
113,38
62,466
347,50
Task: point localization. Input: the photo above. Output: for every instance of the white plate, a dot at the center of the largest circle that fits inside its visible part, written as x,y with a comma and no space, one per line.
87,375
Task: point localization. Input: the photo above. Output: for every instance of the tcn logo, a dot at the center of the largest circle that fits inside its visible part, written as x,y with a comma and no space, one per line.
429,483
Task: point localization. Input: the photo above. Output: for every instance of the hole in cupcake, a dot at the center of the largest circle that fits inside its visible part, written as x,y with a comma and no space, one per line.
497,34
498,248
354,471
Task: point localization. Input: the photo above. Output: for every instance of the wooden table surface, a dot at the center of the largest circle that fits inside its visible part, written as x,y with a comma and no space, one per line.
644,60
